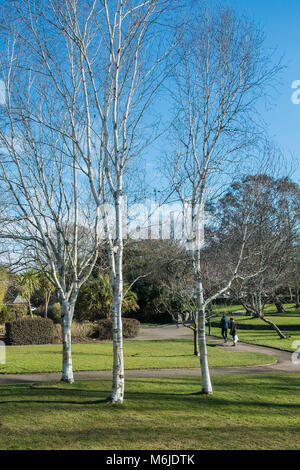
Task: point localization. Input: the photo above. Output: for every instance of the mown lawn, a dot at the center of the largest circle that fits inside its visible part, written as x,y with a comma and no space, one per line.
227,308
245,412
267,336
138,355
269,308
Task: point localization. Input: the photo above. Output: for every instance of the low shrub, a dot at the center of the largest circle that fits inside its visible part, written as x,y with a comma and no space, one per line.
131,328
5,315
54,312
57,332
78,330
29,331
84,330
40,311
27,316
148,314
16,311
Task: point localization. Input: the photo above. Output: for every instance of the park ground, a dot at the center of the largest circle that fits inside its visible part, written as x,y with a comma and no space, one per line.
246,412
254,406
288,322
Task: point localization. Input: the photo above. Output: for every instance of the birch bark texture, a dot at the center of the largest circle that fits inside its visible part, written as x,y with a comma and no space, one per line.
269,252
50,220
220,74
105,60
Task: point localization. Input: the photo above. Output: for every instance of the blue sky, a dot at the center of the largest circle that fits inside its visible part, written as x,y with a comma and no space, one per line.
280,21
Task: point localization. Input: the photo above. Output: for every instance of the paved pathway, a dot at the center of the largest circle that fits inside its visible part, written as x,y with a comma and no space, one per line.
283,364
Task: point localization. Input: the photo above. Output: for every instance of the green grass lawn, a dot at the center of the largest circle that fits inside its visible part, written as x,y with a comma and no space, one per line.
269,337
226,308
282,320
245,412
265,338
138,355
270,308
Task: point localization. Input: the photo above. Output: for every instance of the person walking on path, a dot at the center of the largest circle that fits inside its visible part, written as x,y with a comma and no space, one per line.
224,327
233,332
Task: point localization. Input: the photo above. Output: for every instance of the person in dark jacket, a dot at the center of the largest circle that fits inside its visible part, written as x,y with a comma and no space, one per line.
224,327
233,332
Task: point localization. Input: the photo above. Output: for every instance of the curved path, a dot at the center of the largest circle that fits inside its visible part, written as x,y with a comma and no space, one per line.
284,363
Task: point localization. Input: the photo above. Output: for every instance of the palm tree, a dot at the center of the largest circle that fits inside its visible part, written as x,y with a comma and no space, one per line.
3,284
47,288
95,299
28,284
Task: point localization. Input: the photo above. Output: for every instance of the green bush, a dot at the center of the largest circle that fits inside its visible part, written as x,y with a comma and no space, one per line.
84,329
16,311
40,311
27,316
54,313
95,300
78,330
148,313
5,315
131,328
57,332
29,331
3,284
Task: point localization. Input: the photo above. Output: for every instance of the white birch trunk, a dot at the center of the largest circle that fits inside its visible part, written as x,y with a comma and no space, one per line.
196,341
67,366
117,394
200,324
291,294
258,302
297,295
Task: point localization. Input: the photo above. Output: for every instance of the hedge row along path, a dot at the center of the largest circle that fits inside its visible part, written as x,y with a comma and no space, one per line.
284,362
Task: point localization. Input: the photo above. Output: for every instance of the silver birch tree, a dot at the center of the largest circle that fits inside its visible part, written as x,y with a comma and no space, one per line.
50,219
117,54
222,71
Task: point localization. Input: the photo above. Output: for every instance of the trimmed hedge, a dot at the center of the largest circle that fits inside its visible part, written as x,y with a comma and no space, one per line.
29,331
131,328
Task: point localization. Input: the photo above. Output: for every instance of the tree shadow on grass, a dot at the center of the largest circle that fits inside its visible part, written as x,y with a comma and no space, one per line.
256,394
57,402
188,434
77,353
183,400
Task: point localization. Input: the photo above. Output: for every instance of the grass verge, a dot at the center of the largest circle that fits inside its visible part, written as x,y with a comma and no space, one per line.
265,338
289,323
138,355
245,412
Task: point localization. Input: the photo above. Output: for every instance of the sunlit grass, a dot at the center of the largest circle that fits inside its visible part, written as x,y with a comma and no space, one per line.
289,322
265,338
269,308
138,355
245,412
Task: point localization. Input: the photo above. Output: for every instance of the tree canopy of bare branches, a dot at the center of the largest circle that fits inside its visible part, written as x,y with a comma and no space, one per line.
221,72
